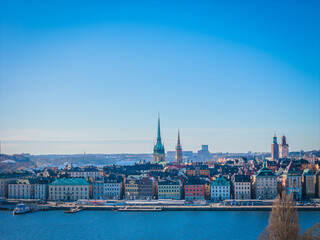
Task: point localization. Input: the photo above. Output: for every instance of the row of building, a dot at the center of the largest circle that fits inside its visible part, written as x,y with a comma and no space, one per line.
192,182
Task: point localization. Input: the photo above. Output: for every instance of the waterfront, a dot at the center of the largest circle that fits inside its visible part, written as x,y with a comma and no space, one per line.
137,225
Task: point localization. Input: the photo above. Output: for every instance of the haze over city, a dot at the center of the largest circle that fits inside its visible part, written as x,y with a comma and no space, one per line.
92,77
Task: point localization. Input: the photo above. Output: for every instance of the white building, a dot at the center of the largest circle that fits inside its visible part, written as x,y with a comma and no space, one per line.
41,189
6,179
220,189
242,187
265,183
22,189
112,187
88,172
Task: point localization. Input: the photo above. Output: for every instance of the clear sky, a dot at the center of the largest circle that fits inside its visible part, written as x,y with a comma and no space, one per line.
92,76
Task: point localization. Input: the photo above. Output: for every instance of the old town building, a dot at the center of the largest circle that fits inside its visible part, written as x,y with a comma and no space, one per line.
98,189
308,184
147,188
69,189
113,187
292,181
87,172
41,189
198,170
22,189
265,183
5,179
195,189
131,188
220,189
169,189
242,187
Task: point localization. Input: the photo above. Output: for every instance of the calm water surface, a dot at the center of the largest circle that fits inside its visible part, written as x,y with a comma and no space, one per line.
136,225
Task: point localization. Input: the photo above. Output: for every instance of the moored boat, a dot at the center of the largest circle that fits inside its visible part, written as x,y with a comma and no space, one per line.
21,209
74,210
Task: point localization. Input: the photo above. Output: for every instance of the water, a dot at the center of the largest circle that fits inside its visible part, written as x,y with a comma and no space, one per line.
139,225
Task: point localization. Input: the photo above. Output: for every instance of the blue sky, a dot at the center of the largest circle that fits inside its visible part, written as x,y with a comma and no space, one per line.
92,76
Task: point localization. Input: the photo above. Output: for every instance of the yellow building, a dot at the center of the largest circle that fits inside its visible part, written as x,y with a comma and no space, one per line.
132,189
69,189
169,190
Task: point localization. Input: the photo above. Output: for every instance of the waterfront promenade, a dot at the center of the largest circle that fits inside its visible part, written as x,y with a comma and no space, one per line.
49,206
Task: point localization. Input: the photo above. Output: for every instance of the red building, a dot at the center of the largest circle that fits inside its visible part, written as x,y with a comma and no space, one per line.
147,188
195,189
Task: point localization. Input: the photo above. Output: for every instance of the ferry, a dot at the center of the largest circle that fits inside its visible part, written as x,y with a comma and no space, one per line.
21,209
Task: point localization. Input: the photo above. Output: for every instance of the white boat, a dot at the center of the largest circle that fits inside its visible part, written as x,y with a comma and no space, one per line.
21,209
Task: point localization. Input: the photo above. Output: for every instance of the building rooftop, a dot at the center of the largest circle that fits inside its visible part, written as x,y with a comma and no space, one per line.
291,169
242,178
70,181
308,172
168,182
26,181
220,181
265,172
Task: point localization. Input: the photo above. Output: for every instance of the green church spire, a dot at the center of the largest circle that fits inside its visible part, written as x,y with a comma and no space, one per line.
158,148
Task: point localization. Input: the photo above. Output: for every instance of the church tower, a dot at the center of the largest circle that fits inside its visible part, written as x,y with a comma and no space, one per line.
274,149
284,148
179,150
158,150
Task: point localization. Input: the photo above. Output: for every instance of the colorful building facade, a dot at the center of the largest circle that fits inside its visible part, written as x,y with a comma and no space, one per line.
169,189
292,181
265,183
195,189
220,189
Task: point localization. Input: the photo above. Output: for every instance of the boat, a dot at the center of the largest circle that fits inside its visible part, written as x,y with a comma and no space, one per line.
74,210
21,209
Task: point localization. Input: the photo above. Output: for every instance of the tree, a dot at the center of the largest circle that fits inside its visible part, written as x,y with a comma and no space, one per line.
283,220
312,233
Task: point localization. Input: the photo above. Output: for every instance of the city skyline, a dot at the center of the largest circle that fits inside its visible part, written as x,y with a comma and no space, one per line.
159,140
92,77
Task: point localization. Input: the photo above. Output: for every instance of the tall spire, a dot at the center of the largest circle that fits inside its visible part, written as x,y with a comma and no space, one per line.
159,135
178,150
158,150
